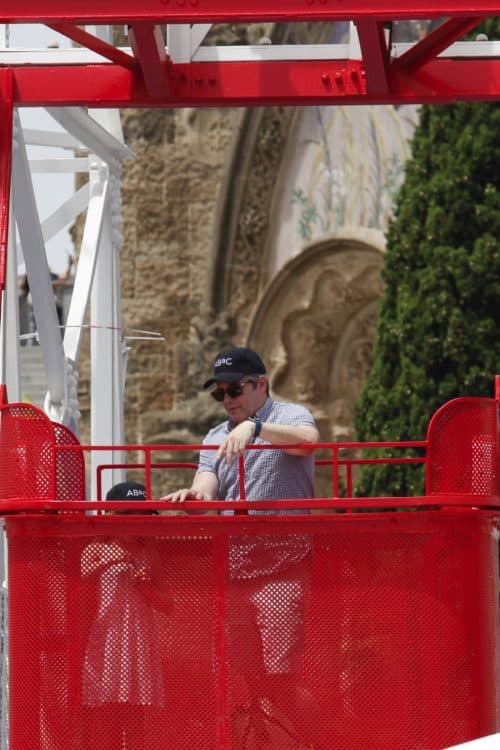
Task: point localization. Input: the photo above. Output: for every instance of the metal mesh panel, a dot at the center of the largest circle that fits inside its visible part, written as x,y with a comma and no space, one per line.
26,441
370,632
463,453
70,466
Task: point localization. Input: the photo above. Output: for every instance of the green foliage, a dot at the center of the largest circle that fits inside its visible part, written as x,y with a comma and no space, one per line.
438,335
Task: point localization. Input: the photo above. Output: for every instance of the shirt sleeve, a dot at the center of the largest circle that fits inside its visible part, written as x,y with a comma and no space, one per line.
295,415
207,460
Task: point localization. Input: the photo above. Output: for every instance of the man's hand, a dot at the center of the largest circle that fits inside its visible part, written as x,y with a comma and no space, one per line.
205,487
236,441
180,496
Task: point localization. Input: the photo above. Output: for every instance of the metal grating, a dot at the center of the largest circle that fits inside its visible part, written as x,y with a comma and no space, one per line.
70,465
27,441
146,632
463,454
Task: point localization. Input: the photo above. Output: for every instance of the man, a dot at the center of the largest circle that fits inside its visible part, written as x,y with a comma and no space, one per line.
241,385
268,586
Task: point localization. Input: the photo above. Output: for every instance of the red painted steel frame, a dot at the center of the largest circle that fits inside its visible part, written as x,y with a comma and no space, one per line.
243,11
148,46
234,84
94,43
6,111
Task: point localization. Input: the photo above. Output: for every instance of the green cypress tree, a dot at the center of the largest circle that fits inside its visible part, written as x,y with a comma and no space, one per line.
438,334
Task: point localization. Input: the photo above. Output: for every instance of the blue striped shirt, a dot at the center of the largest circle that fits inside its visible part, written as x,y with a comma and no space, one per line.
269,474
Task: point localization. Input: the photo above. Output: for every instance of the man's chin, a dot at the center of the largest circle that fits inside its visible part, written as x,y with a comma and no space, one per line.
236,415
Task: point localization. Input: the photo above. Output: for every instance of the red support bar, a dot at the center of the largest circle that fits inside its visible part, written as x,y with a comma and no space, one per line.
349,480
335,471
375,56
435,42
240,84
241,479
148,46
147,472
227,11
80,36
6,113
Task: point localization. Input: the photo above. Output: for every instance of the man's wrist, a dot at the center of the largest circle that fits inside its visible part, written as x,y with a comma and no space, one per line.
257,426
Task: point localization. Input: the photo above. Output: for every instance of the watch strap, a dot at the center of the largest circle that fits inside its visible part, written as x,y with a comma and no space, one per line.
258,426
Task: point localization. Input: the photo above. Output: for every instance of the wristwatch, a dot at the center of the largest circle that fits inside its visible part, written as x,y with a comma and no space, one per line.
258,426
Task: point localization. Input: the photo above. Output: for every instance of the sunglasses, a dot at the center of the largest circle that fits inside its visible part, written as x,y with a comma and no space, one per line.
233,390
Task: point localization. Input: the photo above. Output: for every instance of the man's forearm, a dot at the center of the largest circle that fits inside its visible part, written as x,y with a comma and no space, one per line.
205,483
282,434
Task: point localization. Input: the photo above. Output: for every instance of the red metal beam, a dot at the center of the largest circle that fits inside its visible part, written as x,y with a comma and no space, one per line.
375,55
437,41
80,36
244,11
6,113
148,46
257,83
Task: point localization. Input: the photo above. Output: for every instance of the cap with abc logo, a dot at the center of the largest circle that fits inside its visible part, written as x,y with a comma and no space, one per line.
234,363
127,491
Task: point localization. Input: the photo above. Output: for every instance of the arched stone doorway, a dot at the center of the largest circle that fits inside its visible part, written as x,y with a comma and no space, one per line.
315,325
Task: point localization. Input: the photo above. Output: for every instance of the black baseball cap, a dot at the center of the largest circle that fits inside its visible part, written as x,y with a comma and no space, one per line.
234,363
127,491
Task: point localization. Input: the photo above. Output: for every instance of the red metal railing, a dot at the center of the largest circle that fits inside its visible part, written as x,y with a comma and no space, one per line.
336,461
460,457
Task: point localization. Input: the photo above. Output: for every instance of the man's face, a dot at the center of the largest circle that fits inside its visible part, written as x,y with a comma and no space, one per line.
253,395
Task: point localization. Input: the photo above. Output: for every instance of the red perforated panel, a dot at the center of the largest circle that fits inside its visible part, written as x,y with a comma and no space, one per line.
463,452
70,465
26,453
337,633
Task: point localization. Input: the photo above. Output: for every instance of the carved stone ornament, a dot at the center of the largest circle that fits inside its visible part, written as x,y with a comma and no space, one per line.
315,326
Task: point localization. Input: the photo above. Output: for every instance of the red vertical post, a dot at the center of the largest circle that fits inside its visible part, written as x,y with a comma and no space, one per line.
241,473
241,479
147,471
335,471
6,114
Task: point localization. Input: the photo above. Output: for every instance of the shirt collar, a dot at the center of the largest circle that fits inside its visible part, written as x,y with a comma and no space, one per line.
264,410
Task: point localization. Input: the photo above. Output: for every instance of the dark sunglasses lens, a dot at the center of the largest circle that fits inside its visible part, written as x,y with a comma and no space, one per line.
233,391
